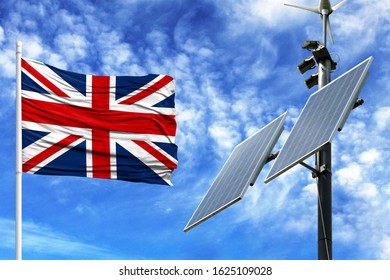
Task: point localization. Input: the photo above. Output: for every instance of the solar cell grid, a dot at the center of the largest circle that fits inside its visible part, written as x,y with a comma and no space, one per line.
240,170
324,113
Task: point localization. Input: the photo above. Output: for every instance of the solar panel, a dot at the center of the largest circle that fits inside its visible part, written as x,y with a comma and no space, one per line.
325,112
239,171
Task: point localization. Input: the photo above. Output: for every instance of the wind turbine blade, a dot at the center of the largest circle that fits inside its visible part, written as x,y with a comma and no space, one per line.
329,30
336,7
311,9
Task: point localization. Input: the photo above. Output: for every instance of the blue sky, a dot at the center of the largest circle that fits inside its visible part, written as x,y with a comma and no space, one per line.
235,67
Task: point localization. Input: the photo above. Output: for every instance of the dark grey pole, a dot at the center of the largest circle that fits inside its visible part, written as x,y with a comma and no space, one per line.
324,185
324,165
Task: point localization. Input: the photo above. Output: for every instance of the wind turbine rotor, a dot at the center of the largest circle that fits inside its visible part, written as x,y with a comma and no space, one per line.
329,29
336,7
324,9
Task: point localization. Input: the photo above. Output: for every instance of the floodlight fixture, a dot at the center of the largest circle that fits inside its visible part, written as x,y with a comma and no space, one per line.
312,81
310,45
321,54
307,64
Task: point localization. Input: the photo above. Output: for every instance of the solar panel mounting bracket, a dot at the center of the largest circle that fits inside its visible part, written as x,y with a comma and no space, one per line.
359,102
314,171
324,168
272,156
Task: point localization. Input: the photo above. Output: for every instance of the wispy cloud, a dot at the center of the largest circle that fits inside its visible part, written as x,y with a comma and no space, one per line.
361,26
360,192
45,242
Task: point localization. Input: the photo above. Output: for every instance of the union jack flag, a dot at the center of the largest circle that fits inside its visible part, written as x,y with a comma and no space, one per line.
113,127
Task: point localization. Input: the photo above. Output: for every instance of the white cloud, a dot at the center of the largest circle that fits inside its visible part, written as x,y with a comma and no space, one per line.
85,209
288,180
190,130
384,252
57,60
387,189
370,157
1,34
282,205
360,188
7,63
355,179
350,175
382,117
344,230
249,109
32,46
158,41
117,55
247,13
360,24
73,22
225,135
191,107
300,224
7,232
72,46
45,241
352,132
368,190
275,13
311,190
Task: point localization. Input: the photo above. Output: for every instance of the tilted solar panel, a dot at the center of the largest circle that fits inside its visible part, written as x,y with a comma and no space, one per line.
325,112
240,170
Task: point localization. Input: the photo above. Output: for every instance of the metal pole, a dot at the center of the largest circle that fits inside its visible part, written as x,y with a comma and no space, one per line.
18,182
324,14
324,165
324,184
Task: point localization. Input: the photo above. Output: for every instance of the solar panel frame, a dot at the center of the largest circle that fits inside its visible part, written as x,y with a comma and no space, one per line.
285,161
208,207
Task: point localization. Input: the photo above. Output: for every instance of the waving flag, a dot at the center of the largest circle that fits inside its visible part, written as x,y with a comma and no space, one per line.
113,127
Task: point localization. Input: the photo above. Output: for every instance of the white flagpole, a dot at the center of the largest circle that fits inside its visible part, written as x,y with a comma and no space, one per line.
18,212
